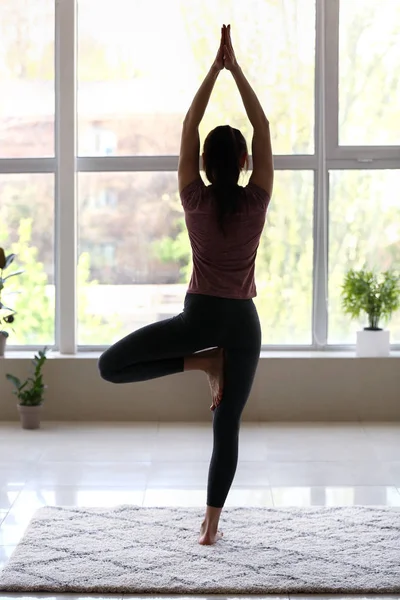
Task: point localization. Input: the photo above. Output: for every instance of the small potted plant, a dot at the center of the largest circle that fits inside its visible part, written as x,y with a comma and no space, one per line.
8,319
30,393
378,297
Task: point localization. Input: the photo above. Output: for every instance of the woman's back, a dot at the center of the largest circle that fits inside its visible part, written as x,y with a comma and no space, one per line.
224,265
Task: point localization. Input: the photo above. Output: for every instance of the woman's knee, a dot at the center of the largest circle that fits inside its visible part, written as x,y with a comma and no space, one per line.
104,367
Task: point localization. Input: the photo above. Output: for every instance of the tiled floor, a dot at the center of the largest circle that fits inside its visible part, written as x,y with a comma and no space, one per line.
280,464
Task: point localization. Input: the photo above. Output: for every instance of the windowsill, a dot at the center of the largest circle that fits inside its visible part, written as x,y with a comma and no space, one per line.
265,354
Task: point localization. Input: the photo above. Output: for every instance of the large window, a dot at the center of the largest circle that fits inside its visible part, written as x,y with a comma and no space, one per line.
330,92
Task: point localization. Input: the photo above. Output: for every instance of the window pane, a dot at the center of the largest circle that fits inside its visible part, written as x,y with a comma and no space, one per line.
27,230
27,78
135,258
369,72
285,261
364,227
132,98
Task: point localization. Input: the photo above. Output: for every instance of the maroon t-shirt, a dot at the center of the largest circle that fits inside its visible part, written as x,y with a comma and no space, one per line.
224,266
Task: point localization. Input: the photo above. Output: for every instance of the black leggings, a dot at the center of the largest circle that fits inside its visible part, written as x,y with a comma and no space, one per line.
159,349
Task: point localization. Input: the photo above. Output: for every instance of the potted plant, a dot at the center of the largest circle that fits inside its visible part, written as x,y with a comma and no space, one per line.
378,296
30,393
8,319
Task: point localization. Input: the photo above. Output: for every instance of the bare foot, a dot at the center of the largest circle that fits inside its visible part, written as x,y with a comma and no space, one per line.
207,538
215,374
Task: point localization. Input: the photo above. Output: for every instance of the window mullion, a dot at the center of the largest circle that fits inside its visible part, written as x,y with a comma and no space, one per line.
66,215
127,164
320,266
331,68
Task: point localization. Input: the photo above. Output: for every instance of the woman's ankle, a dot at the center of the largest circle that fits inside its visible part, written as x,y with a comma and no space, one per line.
212,517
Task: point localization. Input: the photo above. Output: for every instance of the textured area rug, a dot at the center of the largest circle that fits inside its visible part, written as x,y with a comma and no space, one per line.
131,549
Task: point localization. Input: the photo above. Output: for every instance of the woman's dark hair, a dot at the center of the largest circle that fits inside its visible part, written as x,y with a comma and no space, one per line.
224,150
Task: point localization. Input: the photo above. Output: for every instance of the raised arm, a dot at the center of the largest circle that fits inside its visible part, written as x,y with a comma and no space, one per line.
188,167
263,163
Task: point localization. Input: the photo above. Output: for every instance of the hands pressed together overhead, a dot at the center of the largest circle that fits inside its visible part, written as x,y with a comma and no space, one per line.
226,56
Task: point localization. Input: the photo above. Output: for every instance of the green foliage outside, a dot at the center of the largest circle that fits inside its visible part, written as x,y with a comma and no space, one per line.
34,301
6,312
90,325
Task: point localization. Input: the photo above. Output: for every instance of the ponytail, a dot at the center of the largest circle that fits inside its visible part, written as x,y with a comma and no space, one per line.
223,149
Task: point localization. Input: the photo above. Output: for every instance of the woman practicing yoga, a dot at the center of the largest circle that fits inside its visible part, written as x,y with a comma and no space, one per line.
225,222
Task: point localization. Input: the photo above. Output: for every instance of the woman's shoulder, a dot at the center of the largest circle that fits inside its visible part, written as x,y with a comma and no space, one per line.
192,194
257,194
195,185
253,188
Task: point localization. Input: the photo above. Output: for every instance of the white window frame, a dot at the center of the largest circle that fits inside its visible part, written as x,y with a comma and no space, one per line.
328,155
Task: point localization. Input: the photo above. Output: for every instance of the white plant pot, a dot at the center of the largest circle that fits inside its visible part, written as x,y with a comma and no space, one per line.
373,343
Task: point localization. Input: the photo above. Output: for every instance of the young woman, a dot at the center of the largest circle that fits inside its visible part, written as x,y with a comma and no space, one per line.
225,222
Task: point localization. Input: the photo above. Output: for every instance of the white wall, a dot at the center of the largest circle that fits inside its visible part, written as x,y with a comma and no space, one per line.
288,387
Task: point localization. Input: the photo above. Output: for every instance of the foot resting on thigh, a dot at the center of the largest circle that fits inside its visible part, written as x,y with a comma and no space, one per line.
212,363
215,374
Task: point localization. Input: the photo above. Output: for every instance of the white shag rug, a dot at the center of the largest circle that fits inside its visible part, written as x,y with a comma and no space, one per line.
133,549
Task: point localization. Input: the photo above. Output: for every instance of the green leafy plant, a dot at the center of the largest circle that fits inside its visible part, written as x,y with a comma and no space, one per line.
377,296
5,262
30,392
